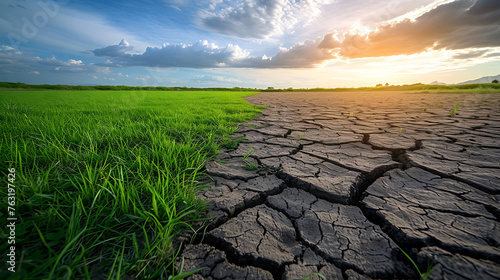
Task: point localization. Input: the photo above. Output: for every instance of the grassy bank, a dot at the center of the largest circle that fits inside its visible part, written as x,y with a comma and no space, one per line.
104,180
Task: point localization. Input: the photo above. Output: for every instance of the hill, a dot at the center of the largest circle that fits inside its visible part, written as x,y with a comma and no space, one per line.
482,80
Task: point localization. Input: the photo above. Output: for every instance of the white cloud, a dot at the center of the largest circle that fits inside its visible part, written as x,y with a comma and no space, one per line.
16,62
114,50
258,19
74,61
201,54
6,48
300,55
10,50
208,77
176,3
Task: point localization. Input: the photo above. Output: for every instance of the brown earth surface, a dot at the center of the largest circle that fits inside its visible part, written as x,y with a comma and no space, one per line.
338,182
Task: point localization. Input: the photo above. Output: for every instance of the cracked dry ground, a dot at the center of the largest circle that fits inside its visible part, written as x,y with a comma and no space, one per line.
345,179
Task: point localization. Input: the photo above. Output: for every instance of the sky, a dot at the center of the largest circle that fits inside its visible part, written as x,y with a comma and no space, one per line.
248,43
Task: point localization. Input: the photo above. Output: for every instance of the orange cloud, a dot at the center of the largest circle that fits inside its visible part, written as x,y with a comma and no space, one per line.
457,25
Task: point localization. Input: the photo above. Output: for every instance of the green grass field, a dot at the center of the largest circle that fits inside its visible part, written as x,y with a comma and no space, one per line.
105,179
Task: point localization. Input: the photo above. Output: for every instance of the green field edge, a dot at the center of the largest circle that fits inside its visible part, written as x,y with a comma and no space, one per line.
479,88
99,199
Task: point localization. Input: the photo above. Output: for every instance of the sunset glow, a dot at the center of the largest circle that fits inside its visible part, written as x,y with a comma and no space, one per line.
249,43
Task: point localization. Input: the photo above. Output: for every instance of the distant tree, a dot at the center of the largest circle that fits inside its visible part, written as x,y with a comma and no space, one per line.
495,81
386,84
378,85
270,88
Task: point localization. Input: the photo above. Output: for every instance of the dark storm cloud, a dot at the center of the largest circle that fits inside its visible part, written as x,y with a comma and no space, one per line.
457,25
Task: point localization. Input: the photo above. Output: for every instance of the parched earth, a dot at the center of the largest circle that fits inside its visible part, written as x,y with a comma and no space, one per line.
336,183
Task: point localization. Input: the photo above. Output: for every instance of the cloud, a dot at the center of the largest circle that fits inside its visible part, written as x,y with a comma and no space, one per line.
177,2
65,28
6,48
258,19
457,25
114,50
56,62
330,41
9,50
17,62
206,55
199,55
301,55
494,54
210,78
469,27
470,54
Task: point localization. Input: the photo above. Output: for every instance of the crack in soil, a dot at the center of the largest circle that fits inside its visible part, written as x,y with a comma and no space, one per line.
379,196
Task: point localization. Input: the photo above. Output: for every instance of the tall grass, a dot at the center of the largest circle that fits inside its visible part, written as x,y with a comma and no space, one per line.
106,179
